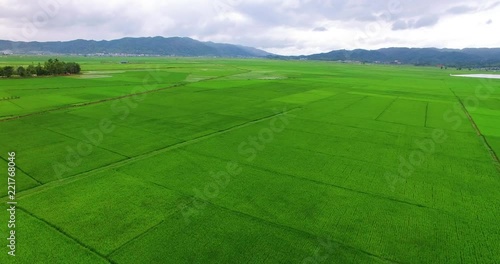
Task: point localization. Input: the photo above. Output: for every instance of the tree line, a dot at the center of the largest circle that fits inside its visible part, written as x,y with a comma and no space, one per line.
50,67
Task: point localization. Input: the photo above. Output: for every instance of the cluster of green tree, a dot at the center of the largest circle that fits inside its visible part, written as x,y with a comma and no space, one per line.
50,67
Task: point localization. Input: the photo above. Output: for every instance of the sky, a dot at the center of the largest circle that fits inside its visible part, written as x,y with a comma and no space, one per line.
286,27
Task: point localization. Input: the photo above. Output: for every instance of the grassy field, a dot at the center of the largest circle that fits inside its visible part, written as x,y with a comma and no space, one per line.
169,160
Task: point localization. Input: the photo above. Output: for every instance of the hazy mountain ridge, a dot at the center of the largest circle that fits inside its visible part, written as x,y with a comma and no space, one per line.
416,56
174,46
187,47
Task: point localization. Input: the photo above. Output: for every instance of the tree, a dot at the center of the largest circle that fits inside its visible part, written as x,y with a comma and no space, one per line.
50,67
30,70
21,71
40,70
72,68
8,71
54,67
59,67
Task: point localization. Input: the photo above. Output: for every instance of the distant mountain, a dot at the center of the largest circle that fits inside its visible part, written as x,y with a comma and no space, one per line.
416,56
187,47
175,46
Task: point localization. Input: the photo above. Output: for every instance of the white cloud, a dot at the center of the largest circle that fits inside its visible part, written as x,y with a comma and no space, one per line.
284,27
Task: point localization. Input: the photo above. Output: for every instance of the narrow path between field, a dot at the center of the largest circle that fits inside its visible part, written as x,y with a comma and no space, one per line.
487,145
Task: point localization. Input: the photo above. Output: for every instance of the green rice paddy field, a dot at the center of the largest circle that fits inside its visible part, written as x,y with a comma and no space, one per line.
169,160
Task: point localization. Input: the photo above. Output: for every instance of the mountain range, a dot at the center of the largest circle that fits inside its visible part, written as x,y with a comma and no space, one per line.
416,56
174,46
188,47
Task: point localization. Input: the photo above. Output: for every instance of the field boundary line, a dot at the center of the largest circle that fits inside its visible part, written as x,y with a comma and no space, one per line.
384,145
27,174
280,225
77,139
70,87
305,233
426,114
10,101
387,108
378,130
351,104
483,138
492,152
407,97
59,230
374,143
76,177
378,196
134,238
77,105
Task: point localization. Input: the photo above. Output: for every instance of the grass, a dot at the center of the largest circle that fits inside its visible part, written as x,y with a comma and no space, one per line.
260,161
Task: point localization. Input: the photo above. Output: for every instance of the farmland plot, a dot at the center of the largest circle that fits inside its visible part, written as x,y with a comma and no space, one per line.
252,161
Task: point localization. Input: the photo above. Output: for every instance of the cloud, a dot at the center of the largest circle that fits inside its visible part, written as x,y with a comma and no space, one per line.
289,26
400,25
426,21
461,9
492,5
320,29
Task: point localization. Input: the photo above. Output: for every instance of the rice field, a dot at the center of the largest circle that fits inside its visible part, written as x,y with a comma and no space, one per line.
194,160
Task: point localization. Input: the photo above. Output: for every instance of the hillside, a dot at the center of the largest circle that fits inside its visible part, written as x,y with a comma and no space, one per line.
416,56
174,46
187,47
